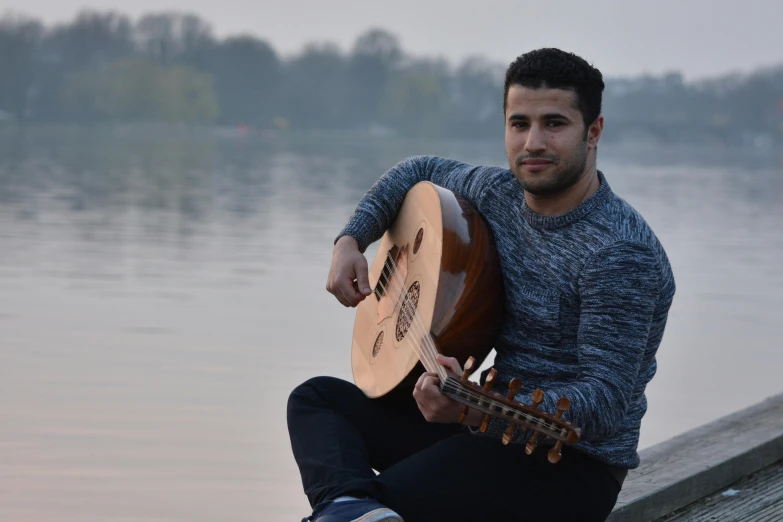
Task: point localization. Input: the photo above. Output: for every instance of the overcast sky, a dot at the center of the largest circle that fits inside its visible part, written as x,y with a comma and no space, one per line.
698,37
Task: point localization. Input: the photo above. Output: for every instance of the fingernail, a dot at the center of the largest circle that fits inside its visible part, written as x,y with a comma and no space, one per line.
367,290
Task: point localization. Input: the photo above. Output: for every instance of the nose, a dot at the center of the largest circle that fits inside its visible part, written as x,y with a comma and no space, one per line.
536,140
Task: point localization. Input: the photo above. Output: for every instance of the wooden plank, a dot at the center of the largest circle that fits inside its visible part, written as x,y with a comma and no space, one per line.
756,497
695,464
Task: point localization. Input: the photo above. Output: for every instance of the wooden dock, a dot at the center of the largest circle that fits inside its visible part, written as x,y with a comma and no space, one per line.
758,497
687,476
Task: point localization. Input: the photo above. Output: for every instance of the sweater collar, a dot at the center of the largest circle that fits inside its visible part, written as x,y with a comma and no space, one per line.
600,197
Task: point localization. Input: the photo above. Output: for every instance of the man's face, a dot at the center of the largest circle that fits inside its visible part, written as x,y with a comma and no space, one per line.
545,139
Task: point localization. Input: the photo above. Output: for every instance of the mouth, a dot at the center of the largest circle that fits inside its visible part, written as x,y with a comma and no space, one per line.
536,165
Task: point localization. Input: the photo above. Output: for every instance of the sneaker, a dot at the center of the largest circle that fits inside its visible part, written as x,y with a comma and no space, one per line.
359,510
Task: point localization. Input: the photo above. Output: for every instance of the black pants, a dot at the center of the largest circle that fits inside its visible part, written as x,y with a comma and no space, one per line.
433,472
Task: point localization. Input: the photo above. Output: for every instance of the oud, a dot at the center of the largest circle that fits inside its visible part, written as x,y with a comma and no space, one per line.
437,288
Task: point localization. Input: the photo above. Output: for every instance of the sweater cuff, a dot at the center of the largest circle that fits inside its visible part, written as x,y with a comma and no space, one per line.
361,227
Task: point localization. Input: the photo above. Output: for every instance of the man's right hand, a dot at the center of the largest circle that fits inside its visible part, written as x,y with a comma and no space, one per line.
348,280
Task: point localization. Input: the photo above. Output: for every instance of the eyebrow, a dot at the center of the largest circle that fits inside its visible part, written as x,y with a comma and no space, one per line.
548,116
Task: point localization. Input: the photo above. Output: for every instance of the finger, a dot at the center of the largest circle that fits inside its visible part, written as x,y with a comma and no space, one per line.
451,363
362,277
335,290
338,293
422,378
418,396
350,292
331,287
356,289
426,401
419,382
433,400
431,384
424,409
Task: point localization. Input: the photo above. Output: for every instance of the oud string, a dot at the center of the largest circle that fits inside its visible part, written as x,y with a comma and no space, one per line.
415,323
430,352
425,335
405,311
480,399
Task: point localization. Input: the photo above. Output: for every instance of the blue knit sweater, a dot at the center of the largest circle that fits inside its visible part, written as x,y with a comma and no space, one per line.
587,296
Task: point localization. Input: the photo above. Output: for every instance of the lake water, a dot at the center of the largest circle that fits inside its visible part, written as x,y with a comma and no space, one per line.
161,295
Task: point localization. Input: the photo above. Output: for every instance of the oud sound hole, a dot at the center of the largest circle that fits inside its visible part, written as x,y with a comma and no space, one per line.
408,310
377,346
417,241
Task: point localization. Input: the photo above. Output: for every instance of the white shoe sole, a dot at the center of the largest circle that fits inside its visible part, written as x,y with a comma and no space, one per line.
379,515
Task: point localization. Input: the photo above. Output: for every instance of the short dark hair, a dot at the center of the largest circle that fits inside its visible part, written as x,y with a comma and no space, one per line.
555,69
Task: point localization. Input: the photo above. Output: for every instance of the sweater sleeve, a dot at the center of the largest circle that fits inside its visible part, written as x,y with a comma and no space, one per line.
378,208
618,288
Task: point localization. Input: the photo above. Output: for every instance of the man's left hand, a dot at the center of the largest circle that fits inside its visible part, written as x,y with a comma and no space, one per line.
435,406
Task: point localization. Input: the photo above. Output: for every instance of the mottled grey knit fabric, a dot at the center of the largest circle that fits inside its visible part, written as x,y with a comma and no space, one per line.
587,296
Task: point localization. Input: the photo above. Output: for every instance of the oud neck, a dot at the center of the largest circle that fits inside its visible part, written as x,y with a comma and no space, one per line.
497,406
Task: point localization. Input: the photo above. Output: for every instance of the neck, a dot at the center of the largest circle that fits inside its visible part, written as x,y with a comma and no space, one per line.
569,199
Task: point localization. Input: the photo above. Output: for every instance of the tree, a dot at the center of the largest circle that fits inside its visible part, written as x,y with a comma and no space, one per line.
170,38
90,41
247,74
20,39
143,91
477,98
196,41
315,93
415,104
375,55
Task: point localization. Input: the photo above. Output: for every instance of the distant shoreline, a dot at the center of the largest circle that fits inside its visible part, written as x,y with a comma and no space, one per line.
761,153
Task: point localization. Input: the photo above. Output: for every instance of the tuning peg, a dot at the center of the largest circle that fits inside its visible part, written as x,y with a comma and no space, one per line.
490,379
562,406
468,368
513,389
487,388
537,398
466,371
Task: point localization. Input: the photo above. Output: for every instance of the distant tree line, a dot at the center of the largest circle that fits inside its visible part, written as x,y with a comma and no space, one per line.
170,68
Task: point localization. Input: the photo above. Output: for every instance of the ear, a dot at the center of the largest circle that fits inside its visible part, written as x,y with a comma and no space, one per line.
594,132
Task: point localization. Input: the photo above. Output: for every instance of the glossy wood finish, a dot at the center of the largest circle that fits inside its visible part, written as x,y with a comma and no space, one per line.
460,297
467,314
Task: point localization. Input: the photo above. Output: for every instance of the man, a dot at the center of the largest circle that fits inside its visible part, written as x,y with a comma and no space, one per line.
588,289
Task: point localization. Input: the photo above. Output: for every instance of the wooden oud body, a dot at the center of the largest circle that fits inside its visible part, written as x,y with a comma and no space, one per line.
438,258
